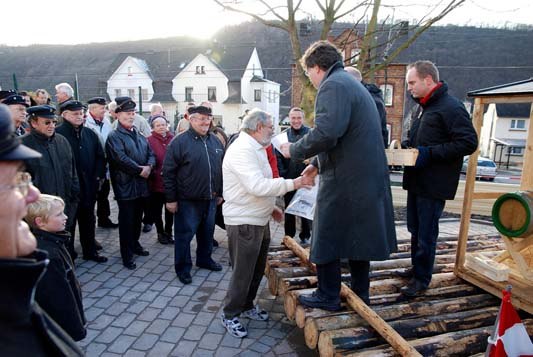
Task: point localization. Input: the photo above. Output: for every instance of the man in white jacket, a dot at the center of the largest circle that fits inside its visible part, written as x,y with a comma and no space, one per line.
249,192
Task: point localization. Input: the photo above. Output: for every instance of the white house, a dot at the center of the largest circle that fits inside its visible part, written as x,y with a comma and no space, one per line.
504,132
232,81
231,78
128,77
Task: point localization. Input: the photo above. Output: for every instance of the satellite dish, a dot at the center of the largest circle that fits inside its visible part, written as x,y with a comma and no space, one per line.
182,64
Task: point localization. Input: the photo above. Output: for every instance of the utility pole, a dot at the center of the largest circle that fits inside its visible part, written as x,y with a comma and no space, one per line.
15,84
140,101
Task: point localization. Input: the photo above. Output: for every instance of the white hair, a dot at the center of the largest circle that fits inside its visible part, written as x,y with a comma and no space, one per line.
253,118
155,107
65,88
112,106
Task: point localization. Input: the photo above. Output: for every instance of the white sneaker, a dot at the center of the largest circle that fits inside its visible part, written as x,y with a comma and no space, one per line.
256,314
234,327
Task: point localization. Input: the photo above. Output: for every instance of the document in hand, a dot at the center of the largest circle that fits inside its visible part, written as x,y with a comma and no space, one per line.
304,201
280,139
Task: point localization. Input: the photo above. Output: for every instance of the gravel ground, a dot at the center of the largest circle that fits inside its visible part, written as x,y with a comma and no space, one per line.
400,214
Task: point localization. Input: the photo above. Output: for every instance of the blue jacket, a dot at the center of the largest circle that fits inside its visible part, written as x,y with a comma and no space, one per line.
192,169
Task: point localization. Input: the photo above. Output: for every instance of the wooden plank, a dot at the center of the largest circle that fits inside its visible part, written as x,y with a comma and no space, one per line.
512,98
487,195
314,326
526,184
522,297
392,337
466,213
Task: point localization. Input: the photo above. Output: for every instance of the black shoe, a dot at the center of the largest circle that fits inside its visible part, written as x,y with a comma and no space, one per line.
147,228
215,243
414,288
130,265
406,273
212,265
73,255
97,245
95,258
316,301
142,252
184,277
170,238
162,238
107,224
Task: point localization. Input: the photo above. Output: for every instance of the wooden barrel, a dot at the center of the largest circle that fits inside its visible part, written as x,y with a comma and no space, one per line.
512,214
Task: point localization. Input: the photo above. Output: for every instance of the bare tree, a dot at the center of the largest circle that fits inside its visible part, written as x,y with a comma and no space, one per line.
283,14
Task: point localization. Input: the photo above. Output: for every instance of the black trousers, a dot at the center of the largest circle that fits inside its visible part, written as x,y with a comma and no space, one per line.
129,226
329,279
290,220
157,202
86,220
103,211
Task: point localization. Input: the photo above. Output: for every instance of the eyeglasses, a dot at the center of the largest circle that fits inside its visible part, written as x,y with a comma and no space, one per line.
22,184
204,119
50,122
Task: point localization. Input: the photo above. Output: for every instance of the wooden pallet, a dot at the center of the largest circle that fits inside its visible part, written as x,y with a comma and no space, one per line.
453,317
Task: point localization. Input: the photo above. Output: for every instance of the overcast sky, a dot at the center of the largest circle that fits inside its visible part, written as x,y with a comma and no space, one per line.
82,21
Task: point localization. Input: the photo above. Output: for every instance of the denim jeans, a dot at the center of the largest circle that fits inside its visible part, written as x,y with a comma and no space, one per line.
193,217
423,216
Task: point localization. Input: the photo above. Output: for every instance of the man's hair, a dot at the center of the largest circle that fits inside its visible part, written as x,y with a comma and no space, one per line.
42,208
322,54
154,107
297,109
355,73
254,117
112,106
424,69
65,88
93,106
41,91
183,124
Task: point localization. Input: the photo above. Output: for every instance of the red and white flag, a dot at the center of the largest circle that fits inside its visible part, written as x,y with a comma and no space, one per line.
510,337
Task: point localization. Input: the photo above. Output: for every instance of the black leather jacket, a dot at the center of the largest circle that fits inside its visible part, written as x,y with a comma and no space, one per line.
192,169
126,151
89,157
26,329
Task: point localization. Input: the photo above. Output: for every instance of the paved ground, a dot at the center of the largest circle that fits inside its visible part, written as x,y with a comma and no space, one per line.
148,312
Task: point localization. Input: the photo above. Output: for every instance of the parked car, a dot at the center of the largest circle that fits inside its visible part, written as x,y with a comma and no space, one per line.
486,168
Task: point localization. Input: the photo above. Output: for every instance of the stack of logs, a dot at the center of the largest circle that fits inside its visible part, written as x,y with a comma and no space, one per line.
453,318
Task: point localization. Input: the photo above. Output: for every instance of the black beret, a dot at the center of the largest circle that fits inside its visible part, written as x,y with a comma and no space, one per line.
43,111
200,110
97,100
6,93
71,105
11,148
15,99
124,104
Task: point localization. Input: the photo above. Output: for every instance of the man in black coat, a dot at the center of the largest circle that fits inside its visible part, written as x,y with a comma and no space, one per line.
26,329
291,169
90,167
130,162
377,95
192,174
55,173
442,131
354,217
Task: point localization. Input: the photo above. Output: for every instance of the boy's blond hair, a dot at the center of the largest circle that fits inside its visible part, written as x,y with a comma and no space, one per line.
42,208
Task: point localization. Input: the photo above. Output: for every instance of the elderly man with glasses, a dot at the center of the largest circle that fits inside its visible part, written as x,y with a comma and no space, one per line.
26,328
192,175
55,173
